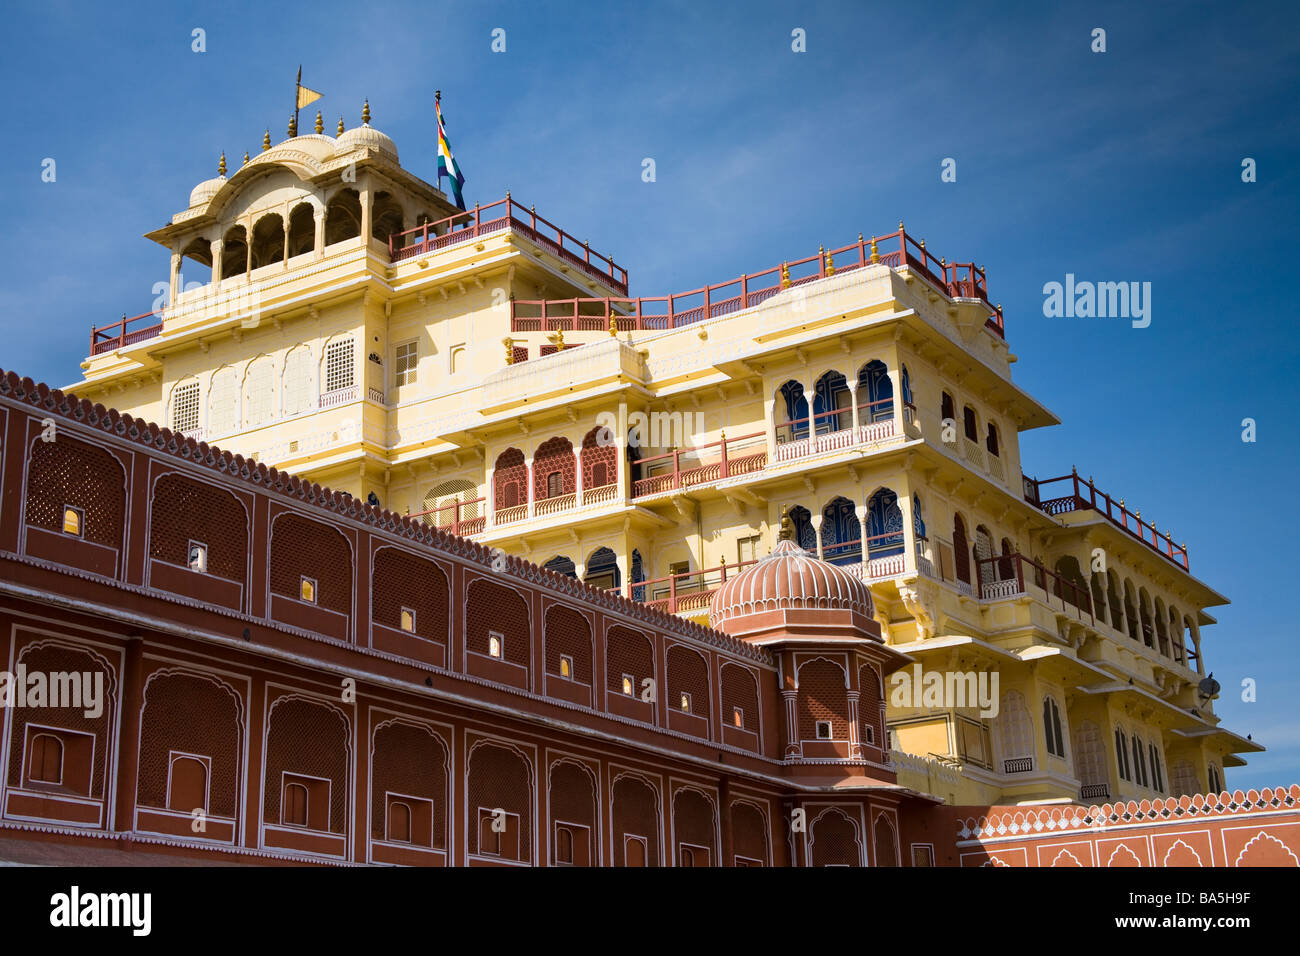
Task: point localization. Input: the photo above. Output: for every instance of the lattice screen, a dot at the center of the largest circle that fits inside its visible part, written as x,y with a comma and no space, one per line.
412,761
822,696
739,690
340,368
568,633
688,673
308,738
185,407
259,391
835,841
71,472
301,547
500,779
627,652
491,607
402,580
188,713
635,811
184,510
748,831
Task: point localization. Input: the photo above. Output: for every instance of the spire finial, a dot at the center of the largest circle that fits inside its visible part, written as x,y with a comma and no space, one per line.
293,125
266,141
510,350
221,165
365,113
785,276
875,253
320,122
559,340
613,326
245,157
341,126
787,529
830,263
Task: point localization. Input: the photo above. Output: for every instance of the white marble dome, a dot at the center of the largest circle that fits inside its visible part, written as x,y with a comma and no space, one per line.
365,137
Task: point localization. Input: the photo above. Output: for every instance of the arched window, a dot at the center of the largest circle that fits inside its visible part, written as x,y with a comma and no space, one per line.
991,440
185,407
637,574
1015,733
960,551
223,402
876,392
947,408
884,524
1139,762
1157,777
553,469
801,523
399,822
831,395
339,367
386,217
602,569
1182,779
199,252
1216,779
970,424
259,391
295,805
509,475
1052,728
442,500
599,459
298,391
1089,760
187,788
1121,754
562,565
791,401
906,386
841,532
46,763
983,551
918,524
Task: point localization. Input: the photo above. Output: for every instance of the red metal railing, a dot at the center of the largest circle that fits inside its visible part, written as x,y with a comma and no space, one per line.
734,456
494,217
688,591
106,338
710,302
455,522
1084,494
995,577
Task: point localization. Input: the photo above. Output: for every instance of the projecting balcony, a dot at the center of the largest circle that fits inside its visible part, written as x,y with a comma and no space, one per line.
955,280
109,338
501,216
459,517
684,468
1084,495
1013,575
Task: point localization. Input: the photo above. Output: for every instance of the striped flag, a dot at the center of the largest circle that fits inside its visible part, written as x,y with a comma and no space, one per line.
447,165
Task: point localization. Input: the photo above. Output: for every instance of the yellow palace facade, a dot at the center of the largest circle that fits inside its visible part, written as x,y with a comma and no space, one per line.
489,371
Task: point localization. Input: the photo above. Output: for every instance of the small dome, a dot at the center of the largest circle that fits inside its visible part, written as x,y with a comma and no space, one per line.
364,137
790,579
206,190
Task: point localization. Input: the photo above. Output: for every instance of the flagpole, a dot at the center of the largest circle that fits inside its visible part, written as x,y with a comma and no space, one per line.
296,87
437,118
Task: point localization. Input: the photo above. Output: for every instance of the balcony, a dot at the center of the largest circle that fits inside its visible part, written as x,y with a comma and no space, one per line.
715,461
1094,791
1084,495
459,517
1014,575
956,280
500,216
108,338
1018,765
868,424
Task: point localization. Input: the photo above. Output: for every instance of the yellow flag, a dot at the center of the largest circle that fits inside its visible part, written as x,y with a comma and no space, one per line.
306,96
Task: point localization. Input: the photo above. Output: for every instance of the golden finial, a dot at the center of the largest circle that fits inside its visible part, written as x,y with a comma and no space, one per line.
510,350
922,243
221,165
266,141
787,530
559,340
293,126
1121,502
875,253
943,261
341,126
365,113
320,122
613,326
830,263
900,225
785,276
1139,515
245,157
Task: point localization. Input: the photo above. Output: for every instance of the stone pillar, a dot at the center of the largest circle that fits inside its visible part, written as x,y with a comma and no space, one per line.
853,394
363,189
816,521
909,529
855,744
577,476
174,283
770,409
490,501
861,512
218,258
319,243
130,703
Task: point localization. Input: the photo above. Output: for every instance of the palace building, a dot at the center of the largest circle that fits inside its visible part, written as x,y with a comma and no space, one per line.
602,578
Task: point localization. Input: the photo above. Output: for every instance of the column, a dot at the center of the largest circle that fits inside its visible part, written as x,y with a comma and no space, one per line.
789,697
861,512
816,521
363,188
174,285
909,528
218,257
319,243
490,501
769,413
577,476
855,745
853,395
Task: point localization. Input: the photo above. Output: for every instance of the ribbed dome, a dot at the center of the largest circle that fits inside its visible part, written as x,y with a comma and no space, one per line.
790,578
364,137
206,190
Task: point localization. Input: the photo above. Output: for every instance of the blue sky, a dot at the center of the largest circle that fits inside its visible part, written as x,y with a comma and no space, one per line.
1122,166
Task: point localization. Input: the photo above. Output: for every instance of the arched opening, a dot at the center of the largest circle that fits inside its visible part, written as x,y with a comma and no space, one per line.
562,565
991,440
1113,600
602,569
886,842
386,217
801,523
268,240
960,550
1069,573
832,409
302,229
875,392
841,532
884,524
1144,612
196,263
46,762
234,252
905,381
1015,734
445,504
599,459
793,407
970,424
399,822
1098,597
637,574
1162,631
188,787
1130,611
343,216
983,552
947,408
